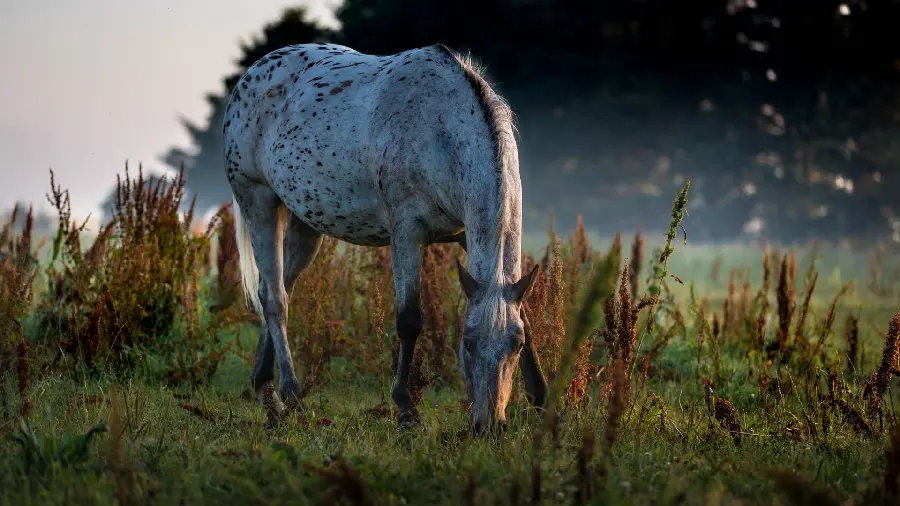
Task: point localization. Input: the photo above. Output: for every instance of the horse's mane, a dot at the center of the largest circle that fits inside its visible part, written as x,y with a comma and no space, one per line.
499,118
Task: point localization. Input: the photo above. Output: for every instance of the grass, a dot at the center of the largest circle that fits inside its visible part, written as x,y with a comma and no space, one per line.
732,397
173,454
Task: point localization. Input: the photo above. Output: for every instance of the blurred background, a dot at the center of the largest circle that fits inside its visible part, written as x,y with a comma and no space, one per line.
785,116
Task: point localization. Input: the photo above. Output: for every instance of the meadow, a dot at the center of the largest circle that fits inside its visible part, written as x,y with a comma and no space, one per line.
679,374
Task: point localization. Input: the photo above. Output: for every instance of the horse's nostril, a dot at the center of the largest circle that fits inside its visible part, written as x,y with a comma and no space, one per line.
502,424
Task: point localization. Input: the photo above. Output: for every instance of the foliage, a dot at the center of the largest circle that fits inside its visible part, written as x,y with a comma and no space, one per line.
39,455
135,289
727,392
783,140
18,268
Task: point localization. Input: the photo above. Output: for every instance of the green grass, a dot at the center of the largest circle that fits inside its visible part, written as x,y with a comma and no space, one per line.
670,451
172,456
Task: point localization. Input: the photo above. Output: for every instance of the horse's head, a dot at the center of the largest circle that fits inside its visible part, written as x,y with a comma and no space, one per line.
493,338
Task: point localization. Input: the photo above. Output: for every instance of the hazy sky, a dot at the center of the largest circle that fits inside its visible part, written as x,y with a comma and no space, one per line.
90,84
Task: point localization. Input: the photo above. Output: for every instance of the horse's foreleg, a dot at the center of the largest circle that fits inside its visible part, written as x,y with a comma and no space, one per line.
406,258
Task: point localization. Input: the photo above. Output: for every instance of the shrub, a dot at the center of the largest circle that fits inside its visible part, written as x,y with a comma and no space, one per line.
18,267
135,288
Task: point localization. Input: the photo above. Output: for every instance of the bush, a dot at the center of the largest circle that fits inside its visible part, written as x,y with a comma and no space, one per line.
135,289
18,267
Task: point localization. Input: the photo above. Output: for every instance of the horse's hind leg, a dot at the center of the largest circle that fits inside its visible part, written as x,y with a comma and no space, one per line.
266,217
263,373
301,243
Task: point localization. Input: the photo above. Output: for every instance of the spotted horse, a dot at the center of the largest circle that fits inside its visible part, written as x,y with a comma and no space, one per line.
403,150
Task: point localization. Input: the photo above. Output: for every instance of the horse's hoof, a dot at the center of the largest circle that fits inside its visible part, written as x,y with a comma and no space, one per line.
272,420
290,393
409,420
411,428
269,400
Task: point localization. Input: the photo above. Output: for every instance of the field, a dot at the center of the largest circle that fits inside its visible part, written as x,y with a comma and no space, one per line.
764,375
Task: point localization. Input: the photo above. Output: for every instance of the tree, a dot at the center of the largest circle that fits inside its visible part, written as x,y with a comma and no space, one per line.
781,113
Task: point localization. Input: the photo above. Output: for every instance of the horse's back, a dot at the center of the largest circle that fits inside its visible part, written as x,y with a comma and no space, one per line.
292,75
339,135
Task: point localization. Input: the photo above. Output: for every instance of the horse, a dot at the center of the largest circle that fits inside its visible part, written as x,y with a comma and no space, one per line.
403,150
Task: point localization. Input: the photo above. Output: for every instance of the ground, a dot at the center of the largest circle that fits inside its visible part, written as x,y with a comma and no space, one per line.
175,455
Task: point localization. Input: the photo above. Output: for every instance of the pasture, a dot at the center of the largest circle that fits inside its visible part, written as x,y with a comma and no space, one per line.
764,375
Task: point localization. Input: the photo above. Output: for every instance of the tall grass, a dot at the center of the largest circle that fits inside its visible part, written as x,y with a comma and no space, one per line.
155,298
18,268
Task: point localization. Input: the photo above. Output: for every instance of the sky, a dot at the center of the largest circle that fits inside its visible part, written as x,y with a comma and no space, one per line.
91,84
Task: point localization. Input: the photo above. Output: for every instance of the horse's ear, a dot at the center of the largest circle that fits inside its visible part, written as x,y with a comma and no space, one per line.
522,288
469,285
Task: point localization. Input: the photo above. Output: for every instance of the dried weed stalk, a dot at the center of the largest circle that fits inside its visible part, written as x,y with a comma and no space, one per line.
18,268
881,378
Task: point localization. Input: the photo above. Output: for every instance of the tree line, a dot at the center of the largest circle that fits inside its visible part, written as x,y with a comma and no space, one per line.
783,114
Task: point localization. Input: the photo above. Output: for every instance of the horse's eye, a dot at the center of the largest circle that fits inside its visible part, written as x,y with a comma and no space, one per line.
469,345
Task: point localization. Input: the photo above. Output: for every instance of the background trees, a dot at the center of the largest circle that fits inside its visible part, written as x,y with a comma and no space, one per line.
784,114
204,160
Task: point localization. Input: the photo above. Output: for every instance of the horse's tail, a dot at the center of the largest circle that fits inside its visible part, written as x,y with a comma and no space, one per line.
249,270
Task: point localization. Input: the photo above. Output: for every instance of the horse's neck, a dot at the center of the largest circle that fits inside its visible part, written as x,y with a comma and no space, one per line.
494,236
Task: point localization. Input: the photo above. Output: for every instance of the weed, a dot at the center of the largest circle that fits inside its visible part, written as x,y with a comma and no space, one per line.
40,455
882,377
136,288
18,268
153,302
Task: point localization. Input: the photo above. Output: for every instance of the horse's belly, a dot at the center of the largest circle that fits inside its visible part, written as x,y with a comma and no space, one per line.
348,210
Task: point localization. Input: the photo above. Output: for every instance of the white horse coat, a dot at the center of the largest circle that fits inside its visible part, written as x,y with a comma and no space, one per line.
402,150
